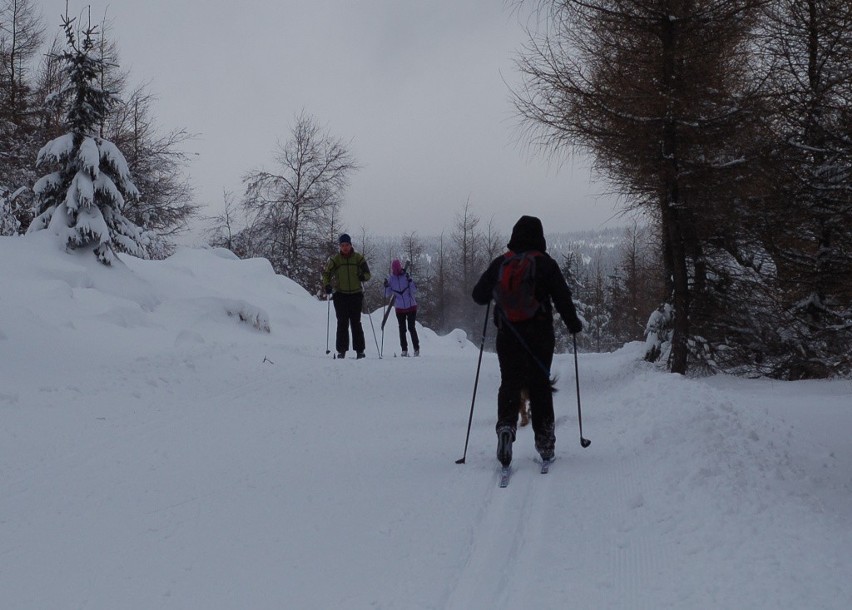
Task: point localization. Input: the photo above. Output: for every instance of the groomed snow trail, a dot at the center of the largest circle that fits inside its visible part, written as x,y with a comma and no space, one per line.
158,452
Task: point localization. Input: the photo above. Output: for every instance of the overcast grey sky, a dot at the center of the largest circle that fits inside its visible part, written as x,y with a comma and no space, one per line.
418,88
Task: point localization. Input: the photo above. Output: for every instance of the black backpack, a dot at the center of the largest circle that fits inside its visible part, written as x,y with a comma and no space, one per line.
514,292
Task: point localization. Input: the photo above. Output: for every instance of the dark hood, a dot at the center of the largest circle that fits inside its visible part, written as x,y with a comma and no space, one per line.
527,234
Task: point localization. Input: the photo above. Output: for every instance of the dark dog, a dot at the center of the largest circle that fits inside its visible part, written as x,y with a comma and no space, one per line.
524,407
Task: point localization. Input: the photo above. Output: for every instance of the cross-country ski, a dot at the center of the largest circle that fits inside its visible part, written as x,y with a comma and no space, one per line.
505,475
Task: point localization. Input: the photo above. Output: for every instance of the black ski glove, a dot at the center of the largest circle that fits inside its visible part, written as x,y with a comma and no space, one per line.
574,326
328,288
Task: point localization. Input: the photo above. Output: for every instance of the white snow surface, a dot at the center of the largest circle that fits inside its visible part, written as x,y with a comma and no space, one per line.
174,436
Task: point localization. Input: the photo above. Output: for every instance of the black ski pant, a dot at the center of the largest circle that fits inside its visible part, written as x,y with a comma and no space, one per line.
347,308
407,318
525,360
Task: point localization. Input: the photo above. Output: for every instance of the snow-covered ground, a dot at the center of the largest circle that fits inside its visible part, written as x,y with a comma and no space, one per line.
159,449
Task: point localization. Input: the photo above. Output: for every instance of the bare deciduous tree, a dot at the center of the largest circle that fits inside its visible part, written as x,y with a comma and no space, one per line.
467,265
21,36
223,230
291,208
158,160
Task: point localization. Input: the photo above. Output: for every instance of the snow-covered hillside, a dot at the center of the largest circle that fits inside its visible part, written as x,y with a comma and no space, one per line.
173,435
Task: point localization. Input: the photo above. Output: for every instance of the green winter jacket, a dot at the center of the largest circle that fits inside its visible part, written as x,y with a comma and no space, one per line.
347,272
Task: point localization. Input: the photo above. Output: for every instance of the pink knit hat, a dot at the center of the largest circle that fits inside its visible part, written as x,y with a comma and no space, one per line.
396,267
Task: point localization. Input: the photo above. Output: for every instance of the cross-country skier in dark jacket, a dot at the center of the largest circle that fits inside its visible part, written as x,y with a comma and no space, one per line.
525,348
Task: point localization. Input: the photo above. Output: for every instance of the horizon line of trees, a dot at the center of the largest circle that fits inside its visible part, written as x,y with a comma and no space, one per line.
614,286
615,289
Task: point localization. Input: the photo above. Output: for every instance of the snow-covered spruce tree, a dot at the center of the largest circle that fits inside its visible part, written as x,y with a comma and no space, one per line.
84,198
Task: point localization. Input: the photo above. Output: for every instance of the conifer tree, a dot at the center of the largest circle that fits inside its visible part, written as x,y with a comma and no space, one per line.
8,223
84,199
658,92
808,47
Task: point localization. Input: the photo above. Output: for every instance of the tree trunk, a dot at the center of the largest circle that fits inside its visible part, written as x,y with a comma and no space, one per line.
675,233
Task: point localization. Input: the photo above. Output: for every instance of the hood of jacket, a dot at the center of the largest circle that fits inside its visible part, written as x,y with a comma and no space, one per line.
527,234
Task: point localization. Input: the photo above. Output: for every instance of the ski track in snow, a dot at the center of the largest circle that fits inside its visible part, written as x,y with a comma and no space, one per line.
497,543
623,547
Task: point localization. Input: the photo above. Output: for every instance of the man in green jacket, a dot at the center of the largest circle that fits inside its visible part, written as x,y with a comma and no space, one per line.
347,269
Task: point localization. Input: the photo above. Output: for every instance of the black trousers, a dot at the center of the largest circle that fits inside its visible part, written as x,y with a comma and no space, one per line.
526,364
407,319
347,308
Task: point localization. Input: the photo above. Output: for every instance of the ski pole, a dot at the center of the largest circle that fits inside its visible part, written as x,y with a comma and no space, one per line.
385,319
387,311
475,384
327,324
523,343
370,315
584,442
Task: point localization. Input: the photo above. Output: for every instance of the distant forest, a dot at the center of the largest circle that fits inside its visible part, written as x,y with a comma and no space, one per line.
610,273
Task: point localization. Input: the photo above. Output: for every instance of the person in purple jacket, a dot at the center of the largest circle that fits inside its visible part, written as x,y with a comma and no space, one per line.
402,287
